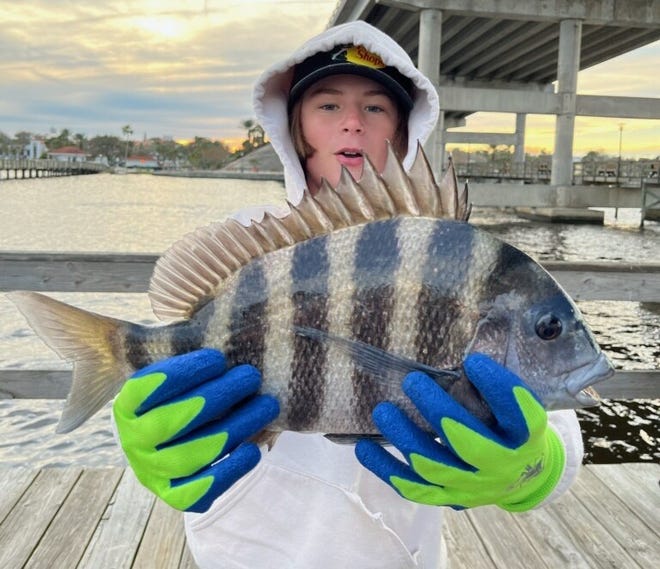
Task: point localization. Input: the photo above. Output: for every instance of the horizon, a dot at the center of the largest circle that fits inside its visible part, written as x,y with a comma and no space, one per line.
466,149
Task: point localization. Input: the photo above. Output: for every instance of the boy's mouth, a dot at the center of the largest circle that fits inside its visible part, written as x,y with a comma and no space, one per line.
350,153
350,157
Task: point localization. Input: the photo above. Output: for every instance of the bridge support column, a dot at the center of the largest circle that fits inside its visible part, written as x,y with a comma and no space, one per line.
570,40
519,146
430,40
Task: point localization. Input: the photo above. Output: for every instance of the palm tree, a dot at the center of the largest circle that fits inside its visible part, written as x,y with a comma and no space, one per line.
126,131
80,139
247,124
256,136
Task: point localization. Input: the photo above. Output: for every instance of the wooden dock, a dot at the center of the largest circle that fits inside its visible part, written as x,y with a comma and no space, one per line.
23,168
102,518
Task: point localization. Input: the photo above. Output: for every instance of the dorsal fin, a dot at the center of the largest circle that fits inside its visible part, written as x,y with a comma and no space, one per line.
192,271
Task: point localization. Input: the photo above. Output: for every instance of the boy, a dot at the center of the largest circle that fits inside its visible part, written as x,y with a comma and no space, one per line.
308,502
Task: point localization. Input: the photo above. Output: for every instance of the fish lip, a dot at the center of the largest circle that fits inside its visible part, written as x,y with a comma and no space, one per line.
579,381
587,397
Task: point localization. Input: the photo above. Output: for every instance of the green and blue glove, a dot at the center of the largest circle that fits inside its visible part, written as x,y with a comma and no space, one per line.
514,465
183,423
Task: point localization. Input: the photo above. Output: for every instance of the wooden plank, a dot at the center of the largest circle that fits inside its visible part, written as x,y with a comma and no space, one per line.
76,272
631,384
187,560
13,484
34,384
587,534
647,475
550,539
164,539
628,530
608,281
118,272
465,548
118,535
506,543
637,486
55,384
22,529
66,539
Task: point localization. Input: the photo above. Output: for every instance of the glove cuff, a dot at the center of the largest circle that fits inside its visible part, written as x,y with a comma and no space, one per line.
548,479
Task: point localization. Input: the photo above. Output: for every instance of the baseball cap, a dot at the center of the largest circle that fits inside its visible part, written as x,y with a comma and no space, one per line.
354,60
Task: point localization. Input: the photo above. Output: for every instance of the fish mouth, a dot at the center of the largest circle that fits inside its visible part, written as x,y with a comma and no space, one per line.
579,381
587,397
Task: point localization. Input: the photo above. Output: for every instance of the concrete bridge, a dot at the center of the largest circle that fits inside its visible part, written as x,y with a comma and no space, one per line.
18,169
504,56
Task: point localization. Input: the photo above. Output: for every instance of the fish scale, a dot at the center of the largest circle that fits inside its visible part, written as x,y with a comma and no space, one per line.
336,302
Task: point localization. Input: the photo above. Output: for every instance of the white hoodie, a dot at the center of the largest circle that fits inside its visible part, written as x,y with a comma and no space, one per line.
309,503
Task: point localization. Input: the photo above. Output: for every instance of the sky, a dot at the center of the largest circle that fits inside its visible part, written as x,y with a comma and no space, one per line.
186,68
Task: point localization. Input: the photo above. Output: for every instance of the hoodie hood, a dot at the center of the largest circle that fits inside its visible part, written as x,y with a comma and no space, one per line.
271,93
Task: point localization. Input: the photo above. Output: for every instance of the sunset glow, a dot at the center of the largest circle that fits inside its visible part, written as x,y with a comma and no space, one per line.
185,69
165,27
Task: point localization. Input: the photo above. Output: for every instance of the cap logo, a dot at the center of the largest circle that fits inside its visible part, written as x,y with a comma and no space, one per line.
359,55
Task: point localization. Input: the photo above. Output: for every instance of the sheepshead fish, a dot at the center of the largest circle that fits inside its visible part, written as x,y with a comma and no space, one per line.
336,302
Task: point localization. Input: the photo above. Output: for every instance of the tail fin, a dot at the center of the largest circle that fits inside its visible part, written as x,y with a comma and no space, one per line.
90,341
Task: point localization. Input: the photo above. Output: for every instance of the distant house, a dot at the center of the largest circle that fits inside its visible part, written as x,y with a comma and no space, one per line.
142,161
35,149
68,154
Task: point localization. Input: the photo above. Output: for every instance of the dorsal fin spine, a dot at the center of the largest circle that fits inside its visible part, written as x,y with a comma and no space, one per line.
380,199
399,185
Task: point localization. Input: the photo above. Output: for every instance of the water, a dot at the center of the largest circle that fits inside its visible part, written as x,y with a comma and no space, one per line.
145,214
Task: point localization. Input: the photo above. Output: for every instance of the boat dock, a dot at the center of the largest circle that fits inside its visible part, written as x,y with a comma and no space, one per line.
103,518
23,168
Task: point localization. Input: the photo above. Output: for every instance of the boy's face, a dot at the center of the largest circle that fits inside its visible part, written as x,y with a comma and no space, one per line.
344,117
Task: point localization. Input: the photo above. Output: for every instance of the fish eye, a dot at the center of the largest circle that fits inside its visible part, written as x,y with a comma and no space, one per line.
548,327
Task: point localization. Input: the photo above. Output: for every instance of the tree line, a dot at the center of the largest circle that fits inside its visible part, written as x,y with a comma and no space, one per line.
206,154
201,153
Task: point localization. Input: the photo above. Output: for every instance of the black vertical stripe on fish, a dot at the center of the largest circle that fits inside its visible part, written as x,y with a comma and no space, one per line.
310,268
190,335
137,348
439,304
376,261
248,323
448,256
514,269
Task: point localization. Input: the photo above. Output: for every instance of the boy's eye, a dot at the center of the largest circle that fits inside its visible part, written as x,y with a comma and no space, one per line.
374,109
328,106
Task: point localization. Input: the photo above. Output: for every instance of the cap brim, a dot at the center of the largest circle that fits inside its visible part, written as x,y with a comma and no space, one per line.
398,92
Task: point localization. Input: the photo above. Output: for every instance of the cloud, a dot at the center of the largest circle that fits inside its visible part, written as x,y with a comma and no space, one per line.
185,68
629,75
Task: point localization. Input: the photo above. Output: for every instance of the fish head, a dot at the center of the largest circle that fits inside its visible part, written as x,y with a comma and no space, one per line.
556,352
534,329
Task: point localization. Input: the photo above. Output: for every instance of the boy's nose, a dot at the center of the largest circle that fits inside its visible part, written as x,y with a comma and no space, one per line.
352,121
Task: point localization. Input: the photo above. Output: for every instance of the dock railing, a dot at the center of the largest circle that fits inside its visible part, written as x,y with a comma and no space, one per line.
130,273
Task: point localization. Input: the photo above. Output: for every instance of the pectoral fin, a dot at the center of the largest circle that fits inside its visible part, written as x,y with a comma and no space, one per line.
377,362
